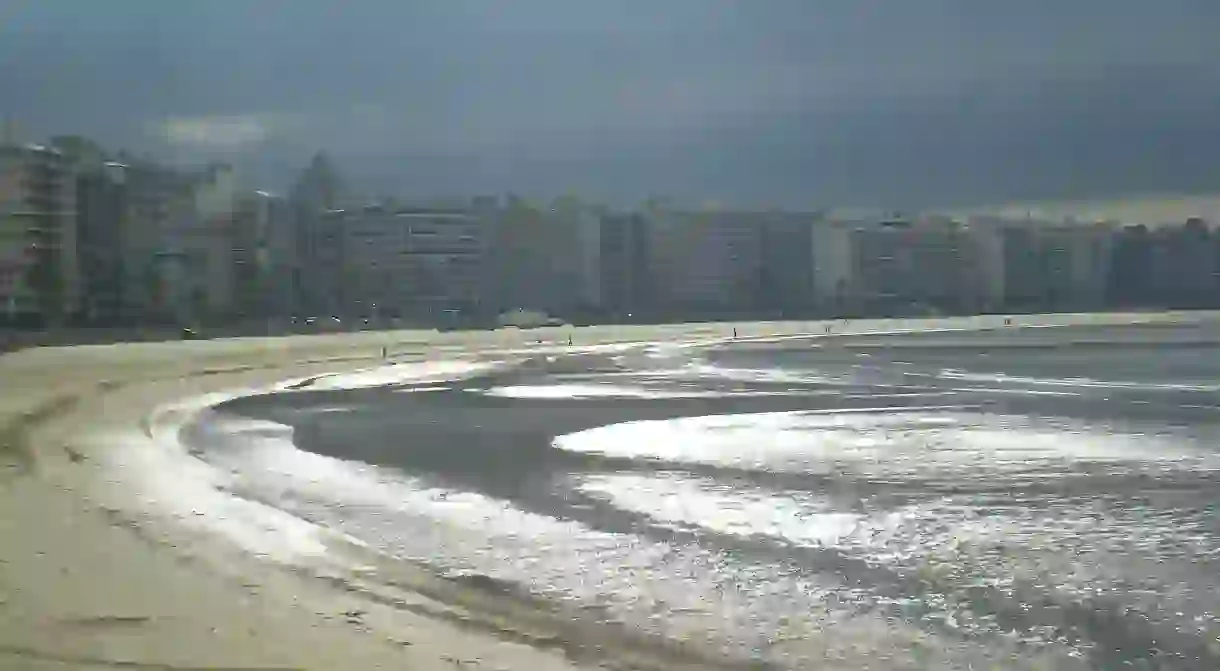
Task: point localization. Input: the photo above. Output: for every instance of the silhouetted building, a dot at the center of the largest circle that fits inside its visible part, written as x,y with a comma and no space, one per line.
101,195
1130,278
786,282
158,202
317,191
1182,267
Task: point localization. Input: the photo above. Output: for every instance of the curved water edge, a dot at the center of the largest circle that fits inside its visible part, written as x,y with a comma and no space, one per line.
976,506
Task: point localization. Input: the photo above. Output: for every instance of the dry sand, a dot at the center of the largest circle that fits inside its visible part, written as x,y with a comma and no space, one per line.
92,578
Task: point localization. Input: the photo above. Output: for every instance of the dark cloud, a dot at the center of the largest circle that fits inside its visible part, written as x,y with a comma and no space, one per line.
785,101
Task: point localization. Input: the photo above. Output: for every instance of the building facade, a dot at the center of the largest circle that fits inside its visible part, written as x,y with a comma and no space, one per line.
626,283
786,284
39,269
318,193
1057,266
545,258
101,194
834,267
158,202
924,265
264,254
1182,266
705,262
413,263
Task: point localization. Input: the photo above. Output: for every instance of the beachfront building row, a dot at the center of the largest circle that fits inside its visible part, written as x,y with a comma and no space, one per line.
106,238
795,264
90,237
487,256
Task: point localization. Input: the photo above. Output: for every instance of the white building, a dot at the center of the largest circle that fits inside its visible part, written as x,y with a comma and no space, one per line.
833,266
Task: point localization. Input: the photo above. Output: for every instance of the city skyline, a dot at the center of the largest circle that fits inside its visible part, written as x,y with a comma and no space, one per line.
87,239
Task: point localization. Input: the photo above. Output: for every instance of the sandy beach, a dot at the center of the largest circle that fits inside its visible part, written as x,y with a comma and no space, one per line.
100,568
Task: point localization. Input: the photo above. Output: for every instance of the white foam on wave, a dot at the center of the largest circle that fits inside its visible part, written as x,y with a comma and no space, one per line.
586,391
168,481
929,442
468,532
398,373
1016,392
1083,382
802,518
577,391
771,375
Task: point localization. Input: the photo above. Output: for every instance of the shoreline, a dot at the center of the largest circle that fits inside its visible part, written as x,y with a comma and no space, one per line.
93,580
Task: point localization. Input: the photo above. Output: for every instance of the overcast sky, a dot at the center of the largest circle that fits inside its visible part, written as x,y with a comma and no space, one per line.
795,102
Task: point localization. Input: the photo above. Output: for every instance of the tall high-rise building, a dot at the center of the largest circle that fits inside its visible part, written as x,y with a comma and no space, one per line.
158,204
39,274
625,279
833,267
264,253
786,285
101,195
317,191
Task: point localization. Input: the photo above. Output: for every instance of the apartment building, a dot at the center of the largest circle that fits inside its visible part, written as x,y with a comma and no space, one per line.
705,262
410,262
39,271
834,266
545,257
1057,265
786,247
319,192
1130,279
903,265
101,196
1078,281
1182,265
158,200
264,255
626,283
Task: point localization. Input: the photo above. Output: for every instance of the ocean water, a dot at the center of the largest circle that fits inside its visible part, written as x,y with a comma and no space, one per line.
1021,500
